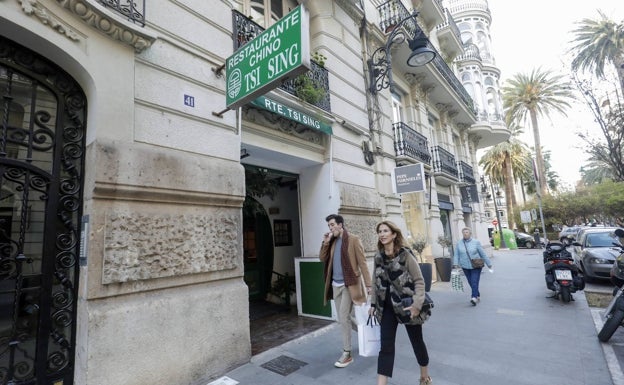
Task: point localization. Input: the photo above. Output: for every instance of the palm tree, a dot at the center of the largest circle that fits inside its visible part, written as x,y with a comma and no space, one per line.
599,42
595,172
552,177
503,163
532,95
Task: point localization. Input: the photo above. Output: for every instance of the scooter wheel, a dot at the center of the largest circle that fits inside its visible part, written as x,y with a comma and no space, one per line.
611,325
565,294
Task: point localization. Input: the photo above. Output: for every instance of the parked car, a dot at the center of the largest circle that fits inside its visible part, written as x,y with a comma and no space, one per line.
568,234
526,240
594,251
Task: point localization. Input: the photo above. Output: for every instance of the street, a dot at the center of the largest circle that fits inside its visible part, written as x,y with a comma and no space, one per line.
515,335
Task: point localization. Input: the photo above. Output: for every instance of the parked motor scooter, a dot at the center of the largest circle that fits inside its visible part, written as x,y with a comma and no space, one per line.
561,274
614,313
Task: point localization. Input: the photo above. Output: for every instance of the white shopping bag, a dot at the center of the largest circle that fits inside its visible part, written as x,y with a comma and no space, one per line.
369,339
361,313
457,284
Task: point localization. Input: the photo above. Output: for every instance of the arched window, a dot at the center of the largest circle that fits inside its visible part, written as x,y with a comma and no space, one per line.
491,101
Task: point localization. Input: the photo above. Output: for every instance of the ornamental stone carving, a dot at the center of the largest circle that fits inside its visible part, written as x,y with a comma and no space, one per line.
32,7
99,18
139,246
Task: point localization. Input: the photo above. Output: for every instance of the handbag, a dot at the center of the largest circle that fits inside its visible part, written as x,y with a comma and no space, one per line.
425,310
369,338
476,263
457,284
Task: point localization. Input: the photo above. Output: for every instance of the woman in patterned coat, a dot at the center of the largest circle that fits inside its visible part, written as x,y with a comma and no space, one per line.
397,277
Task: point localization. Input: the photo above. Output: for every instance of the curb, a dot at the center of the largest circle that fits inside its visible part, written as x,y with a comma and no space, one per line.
612,360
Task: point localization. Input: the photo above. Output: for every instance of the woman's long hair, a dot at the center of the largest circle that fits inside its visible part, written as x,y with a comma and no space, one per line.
399,241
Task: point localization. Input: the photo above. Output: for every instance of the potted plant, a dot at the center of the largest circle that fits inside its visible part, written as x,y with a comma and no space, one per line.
319,58
283,287
444,264
308,90
418,244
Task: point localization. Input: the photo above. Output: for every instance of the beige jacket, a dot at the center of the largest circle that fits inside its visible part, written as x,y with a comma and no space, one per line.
357,258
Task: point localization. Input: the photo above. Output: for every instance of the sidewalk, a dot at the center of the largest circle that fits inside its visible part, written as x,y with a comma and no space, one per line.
515,336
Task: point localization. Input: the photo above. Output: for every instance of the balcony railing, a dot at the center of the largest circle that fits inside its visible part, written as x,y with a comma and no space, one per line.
450,23
465,173
245,30
484,116
409,142
471,52
391,13
133,10
451,79
319,77
444,162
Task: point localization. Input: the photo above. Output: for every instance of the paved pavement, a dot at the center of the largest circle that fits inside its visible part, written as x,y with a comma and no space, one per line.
515,336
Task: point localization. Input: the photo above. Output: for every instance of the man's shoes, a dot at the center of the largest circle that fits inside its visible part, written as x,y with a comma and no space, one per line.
344,360
426,381
473,301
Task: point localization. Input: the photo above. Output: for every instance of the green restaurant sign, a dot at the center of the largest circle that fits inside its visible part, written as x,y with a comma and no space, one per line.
291,114
281,51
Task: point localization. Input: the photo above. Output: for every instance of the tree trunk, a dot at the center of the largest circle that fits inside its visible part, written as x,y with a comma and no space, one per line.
541,170
510,196
619,67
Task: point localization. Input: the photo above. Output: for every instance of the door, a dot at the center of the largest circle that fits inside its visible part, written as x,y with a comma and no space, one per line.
42,140
258,251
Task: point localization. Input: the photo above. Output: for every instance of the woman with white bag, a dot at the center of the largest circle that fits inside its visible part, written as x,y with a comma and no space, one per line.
397,277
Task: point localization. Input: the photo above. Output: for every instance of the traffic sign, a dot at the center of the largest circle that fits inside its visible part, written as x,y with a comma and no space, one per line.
495,222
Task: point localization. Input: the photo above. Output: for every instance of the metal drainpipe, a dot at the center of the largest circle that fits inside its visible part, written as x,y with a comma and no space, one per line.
369,104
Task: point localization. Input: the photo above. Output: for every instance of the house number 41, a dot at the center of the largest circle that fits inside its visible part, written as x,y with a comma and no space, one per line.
189,100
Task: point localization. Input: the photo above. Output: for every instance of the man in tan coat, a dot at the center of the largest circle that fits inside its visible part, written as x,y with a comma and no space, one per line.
344,265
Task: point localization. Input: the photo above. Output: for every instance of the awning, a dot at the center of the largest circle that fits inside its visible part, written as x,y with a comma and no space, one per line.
291,114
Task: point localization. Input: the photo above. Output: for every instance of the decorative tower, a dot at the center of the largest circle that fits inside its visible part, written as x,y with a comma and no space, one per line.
476,67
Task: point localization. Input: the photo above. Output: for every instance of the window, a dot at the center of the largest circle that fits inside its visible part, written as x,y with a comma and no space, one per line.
282,232
267,12
397,108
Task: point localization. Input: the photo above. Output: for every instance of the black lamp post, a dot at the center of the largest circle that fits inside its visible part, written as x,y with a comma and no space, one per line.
380,63
500,225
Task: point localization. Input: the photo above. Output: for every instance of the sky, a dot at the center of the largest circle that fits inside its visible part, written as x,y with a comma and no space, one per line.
530,34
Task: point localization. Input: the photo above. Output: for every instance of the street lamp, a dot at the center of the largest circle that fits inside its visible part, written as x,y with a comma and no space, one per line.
500,225
380,69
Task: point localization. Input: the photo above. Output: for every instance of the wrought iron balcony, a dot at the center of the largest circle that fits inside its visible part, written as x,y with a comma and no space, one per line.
133,10
452,80
444,162
465,173
410,143
391,13
450,24
245,30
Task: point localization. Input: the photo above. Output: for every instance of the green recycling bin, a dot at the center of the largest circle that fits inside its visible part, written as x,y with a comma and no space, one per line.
510,239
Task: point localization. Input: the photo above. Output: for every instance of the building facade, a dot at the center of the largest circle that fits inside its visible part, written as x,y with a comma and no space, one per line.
141,216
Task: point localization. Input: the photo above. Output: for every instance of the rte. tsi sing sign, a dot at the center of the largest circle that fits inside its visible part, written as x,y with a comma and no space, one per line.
409,178
282,50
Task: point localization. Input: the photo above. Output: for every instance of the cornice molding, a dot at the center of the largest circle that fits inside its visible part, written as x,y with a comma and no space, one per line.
100,18
94,15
